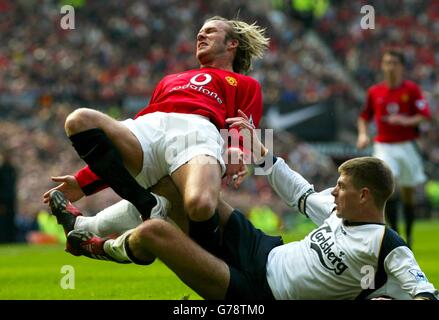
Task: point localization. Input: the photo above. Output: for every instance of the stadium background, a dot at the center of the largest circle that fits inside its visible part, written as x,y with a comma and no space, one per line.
318,66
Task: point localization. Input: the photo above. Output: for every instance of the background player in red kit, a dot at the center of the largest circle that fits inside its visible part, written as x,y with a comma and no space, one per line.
176,134
397,107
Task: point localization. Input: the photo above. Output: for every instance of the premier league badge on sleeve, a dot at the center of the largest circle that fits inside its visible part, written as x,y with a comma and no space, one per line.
420,104
418,275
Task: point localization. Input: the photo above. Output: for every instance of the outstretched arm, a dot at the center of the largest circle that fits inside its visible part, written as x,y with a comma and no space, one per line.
290,186
84,183
67,185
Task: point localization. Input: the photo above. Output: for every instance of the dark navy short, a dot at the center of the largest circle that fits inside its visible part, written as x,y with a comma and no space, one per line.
245,250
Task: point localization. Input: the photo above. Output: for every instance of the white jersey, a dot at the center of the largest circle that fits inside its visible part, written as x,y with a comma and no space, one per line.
338,260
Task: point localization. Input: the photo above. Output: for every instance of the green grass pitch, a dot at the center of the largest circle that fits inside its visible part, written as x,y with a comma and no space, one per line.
34,272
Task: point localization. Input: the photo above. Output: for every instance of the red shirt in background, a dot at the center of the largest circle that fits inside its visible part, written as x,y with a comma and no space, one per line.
383,101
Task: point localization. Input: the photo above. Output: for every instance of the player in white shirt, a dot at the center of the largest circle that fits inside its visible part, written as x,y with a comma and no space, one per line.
344,258
351,255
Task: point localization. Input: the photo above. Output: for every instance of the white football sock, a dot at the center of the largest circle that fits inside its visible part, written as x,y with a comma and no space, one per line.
117,248
120,217
117,218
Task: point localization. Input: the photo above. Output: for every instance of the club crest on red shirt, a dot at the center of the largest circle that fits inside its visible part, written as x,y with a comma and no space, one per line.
232,81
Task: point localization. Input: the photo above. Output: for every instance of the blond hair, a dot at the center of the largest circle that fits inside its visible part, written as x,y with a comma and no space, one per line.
371,173
252,42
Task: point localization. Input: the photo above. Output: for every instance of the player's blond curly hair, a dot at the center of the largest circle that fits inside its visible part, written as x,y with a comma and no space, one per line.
252,42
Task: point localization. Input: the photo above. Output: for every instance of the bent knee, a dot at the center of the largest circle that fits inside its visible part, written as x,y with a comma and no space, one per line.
201,206
80,120
145,239
149,232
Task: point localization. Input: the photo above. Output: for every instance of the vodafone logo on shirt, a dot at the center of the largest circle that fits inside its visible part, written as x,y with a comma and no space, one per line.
197,83
198,79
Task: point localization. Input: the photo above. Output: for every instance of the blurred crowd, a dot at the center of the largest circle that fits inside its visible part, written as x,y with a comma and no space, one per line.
412,26
119,50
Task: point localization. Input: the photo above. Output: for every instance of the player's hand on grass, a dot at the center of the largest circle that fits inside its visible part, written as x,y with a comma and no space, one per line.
69,186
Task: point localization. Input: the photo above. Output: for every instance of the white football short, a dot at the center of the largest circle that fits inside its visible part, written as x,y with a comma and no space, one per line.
404,161
169,140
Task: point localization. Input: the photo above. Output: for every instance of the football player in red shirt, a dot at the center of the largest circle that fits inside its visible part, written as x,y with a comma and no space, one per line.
176,134
397,107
